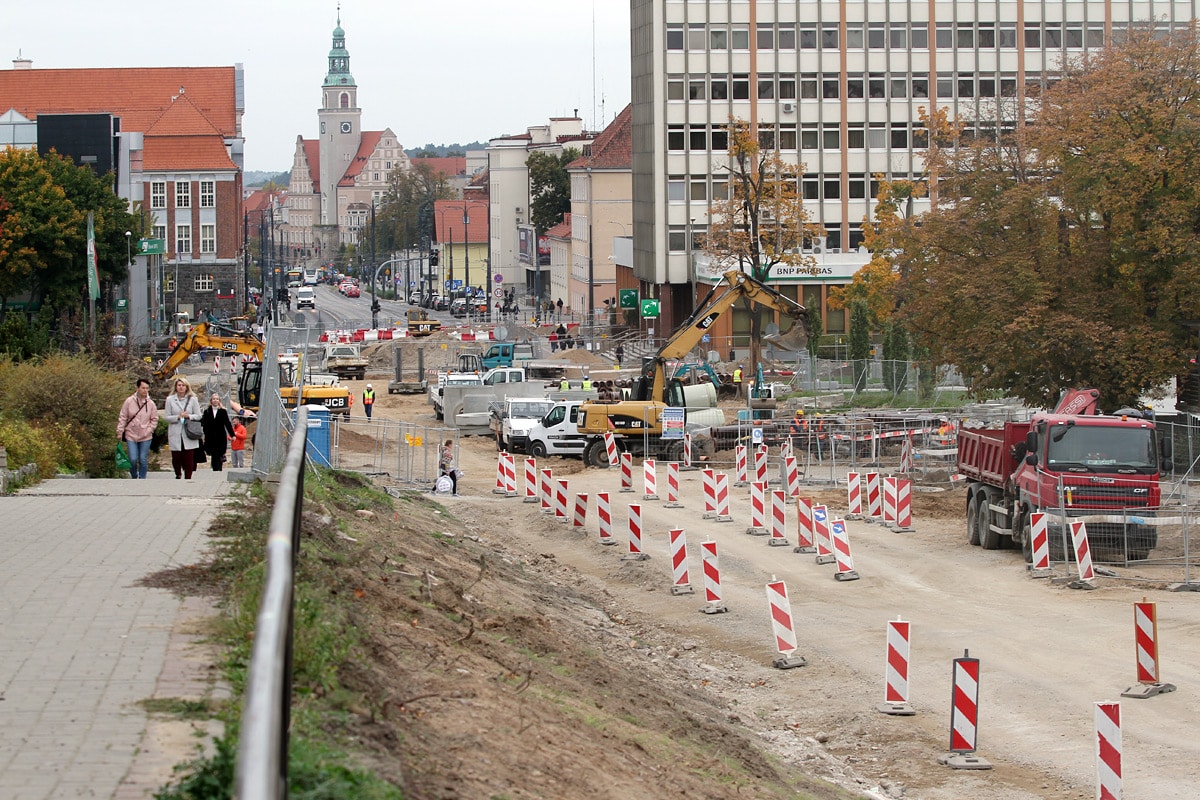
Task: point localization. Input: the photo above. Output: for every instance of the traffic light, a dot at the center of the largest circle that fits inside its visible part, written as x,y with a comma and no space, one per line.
433,258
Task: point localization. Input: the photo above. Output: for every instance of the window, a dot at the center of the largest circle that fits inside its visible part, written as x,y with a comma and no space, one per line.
696,38
808,135
945,85
919,37
183,239
1095,35
203,283
899,88
900,135
787,137
718,39
1033,37
833,189
787,88
741,38
699,188
675,139
675,189
674,37
987,87
208,194
719,88
741,87
766,37
829,37
829,88
158,194
966,87
208,238
920,87
674,88
1053,37
787,37
766,88
183,194
766,138
854,87
854,37
696,89
808,37
808,88
698,138
720,139
720,187
856,136
899,36
857,187
876,87
877,136
810,188
1008,36
831,136
677,239
944,36
160,232
876,36
168,281
964,37
987,36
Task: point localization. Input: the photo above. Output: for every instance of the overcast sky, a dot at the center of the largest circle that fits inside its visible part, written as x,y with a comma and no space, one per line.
439,71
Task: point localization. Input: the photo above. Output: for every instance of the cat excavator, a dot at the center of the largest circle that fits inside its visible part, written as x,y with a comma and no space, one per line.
232,342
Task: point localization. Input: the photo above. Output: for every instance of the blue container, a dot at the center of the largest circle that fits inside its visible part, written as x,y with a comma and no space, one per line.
318,446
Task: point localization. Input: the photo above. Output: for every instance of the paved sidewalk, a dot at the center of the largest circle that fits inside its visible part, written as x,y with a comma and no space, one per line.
81,643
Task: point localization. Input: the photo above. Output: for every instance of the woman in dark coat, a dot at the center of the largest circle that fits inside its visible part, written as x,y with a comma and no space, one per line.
217,430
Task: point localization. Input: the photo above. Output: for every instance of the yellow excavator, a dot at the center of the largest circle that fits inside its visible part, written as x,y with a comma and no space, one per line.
234,342
637,421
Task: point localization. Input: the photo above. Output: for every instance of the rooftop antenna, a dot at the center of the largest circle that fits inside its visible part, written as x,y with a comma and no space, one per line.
595,125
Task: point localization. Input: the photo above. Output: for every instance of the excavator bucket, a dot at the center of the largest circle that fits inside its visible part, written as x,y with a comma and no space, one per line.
795,339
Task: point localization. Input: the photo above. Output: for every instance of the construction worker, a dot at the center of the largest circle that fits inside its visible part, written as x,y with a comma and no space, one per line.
737,380
799,422
368,400
587,382
564,384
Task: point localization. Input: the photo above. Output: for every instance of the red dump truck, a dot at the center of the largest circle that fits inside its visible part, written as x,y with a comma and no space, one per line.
1072,463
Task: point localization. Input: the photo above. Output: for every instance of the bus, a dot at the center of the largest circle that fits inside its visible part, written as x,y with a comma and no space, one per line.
312,276
293,278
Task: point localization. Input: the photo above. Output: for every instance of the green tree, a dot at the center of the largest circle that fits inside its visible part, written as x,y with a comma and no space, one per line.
895,356
860,343
761,223
549,187
403,219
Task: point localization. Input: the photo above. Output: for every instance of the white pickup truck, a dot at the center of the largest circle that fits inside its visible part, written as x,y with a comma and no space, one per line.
512,419
458,382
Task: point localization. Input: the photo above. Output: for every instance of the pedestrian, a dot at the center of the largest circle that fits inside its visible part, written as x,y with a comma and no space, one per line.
237,442
559,304
737,380
446,465
217,430
135,427
181,406
368,400
620,354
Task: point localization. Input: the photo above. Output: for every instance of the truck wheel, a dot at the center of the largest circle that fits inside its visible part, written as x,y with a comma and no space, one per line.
537,449
988,538
972,520
596,455
1026,537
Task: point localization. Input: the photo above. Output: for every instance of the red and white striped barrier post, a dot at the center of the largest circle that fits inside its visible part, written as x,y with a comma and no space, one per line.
232,365
216,364
906,456
903,521
510,475
778,519
713,604
889,501
722,483
579,520
687,451
895,671
709,480
781,626
823,541
546,491
740,476
635,535
650,479
673,486
758,506
499,488
853,496
1145,634
1039,532
791,476
841,551
874,500
610,448
785,449
560,500
1108,751
604,518
964,716
531,476
1083,557
680,582
760,465
804,526
626,472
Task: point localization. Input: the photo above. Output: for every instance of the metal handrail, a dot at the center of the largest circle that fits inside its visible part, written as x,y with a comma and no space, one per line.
262,762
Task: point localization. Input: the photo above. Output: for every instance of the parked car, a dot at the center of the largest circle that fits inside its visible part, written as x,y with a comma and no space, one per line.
458,308
352,291
441,303
414,297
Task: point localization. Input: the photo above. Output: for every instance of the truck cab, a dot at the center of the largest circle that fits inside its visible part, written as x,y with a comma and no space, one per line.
557,433
506,354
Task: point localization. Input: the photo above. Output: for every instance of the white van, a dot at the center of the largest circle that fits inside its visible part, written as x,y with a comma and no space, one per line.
556,434
306,296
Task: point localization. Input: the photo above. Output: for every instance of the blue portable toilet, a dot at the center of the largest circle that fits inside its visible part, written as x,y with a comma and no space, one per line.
318,446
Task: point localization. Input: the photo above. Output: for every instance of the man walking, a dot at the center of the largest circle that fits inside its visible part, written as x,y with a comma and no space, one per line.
368,400
737,380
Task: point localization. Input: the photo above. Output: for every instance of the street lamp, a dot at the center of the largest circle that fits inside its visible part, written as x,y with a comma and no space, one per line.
128,265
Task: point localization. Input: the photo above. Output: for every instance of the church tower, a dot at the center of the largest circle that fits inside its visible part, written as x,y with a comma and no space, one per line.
340,130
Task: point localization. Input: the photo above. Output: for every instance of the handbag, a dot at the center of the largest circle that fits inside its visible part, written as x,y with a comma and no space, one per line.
122,457
193,429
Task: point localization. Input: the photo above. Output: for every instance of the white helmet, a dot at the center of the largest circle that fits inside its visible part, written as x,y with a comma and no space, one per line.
368,386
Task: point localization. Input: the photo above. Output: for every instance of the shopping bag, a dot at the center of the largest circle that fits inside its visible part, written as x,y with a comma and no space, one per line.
122,457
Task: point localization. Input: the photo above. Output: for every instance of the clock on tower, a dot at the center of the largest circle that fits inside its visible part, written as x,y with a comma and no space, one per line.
346,127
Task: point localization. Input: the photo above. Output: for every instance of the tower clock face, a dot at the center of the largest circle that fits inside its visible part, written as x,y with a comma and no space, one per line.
346,127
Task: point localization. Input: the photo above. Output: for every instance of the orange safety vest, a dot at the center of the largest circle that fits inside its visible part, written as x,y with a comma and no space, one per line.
368,397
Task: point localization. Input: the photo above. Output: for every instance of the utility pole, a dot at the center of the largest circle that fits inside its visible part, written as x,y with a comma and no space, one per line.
374,273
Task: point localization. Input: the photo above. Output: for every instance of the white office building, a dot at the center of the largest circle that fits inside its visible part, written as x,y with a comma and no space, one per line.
834,85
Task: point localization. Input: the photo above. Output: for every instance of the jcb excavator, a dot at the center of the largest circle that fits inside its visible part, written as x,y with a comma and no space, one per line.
230,341
637,422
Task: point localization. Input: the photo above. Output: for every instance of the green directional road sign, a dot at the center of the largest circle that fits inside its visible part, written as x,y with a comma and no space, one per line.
629,298
121,305
152,247
649,308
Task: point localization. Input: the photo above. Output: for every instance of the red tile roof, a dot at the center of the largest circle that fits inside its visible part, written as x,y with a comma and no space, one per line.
448,166
139,96
613,148
562,230
183,138
448,224
366,146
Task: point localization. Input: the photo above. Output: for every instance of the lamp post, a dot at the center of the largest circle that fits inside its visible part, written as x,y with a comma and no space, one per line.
128,264
466,248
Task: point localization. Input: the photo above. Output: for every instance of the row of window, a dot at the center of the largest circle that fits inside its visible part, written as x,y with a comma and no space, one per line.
899,135
677,238
200,283
183,238
704,38
703,188
874,86
183,194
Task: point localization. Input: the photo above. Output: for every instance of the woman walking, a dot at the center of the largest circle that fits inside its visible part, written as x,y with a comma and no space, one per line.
217,431
446,465
135,427
180,407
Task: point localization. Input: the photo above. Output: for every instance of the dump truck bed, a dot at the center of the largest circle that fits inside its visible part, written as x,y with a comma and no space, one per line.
986,454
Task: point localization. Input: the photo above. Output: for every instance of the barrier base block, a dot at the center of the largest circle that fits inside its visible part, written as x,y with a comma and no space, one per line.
1081,584
608,542
790,661
498,491
754,530
1145,690
649,497
905,529
672,505
897,709
709,515
1040,573
511,494
530,500
964,761
635,557
1184,587
741,483
688,468
848,575
626,491
805,549
715,608
724,518
825,559
684,589
777,542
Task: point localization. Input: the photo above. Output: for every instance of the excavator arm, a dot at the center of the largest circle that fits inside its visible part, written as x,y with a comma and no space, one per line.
198,337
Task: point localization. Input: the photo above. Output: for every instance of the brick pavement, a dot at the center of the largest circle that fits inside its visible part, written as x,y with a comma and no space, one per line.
81,644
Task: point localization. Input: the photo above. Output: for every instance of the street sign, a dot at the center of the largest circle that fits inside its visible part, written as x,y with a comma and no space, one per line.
498,278
649,308
152,247
628,298
121,305
498,293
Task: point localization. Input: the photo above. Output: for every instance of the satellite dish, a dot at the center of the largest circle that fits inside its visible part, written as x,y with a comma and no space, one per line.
772,329
501,332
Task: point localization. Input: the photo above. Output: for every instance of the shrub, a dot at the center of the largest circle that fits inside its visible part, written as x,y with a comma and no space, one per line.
28,445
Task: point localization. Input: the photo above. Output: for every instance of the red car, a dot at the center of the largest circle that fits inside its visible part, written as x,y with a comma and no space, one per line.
352,290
